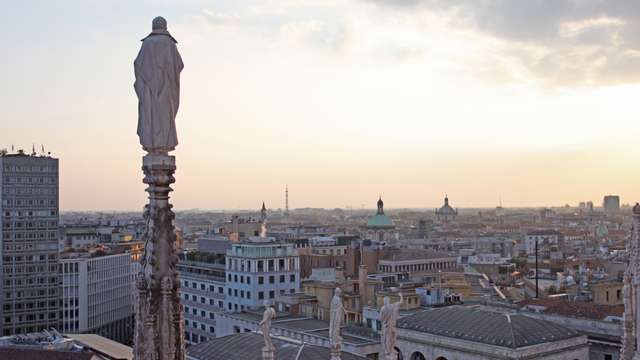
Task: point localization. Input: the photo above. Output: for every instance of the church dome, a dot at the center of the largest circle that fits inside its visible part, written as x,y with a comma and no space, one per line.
380,220
446,209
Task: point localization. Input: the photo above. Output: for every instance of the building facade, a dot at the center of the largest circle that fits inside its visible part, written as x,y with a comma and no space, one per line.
611,204
97,296
456,332
259,271
544,238
29,253
203,296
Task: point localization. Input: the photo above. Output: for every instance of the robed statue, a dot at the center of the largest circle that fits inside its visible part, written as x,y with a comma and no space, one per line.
335,322
389,317
265,325
157,69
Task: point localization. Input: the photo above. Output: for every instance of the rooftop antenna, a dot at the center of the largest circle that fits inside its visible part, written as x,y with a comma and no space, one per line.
286,200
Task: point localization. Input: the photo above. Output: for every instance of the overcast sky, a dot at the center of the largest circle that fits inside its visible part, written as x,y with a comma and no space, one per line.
532,101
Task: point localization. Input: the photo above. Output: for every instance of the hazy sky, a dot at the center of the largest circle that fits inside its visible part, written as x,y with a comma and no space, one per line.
533,101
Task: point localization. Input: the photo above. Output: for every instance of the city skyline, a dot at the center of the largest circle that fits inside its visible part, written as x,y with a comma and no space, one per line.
340,100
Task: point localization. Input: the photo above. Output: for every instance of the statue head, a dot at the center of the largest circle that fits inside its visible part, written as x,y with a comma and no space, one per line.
386,300
159,23
337,292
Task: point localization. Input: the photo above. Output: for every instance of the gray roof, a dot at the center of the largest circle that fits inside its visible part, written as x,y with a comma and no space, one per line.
247,346
485,326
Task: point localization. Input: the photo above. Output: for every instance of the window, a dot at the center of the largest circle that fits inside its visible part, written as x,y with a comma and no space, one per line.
272,279
260,295
281,279
292,278
272,294
260,280
248,280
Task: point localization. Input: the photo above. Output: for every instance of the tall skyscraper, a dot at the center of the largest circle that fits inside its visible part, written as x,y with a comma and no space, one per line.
29,275
611,204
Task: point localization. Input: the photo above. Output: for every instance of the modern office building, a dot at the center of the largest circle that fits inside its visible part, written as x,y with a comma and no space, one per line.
259,271
611,204
203,294
97,295
29,279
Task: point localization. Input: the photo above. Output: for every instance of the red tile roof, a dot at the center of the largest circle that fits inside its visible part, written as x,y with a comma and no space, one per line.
580,309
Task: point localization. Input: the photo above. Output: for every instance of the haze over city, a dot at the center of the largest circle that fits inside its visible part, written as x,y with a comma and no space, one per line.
531,102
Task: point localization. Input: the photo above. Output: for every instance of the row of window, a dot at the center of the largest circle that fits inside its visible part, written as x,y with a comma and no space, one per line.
28,305
247,294
272,279
29,294
203,286
32,168
203,327
203,300
194,338
28,317
29,180
260,265
199,312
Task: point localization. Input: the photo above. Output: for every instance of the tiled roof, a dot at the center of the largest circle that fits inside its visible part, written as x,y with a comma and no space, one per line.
579,309
40,354
488,327
247,346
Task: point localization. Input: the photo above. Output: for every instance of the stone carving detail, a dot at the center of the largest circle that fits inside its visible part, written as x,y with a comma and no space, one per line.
631,280
159,323
268,351
389,318
335,323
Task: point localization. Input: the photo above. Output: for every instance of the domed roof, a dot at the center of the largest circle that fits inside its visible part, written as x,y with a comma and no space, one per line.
446,209
380,220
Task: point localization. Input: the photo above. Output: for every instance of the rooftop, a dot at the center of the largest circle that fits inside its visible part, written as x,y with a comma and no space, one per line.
249,346
415,254
487,327
578,309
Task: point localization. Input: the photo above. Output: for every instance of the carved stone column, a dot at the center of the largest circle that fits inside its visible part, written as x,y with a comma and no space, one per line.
631,319
159,324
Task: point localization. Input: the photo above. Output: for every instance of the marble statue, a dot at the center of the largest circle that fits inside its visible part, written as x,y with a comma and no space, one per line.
159,325
389,317
157,70
335,322
265,325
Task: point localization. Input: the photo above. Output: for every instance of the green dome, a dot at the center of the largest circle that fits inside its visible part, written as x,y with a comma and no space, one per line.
380,221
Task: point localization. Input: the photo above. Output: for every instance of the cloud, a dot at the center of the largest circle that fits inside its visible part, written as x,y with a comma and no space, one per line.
220,17
315,32
576,42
